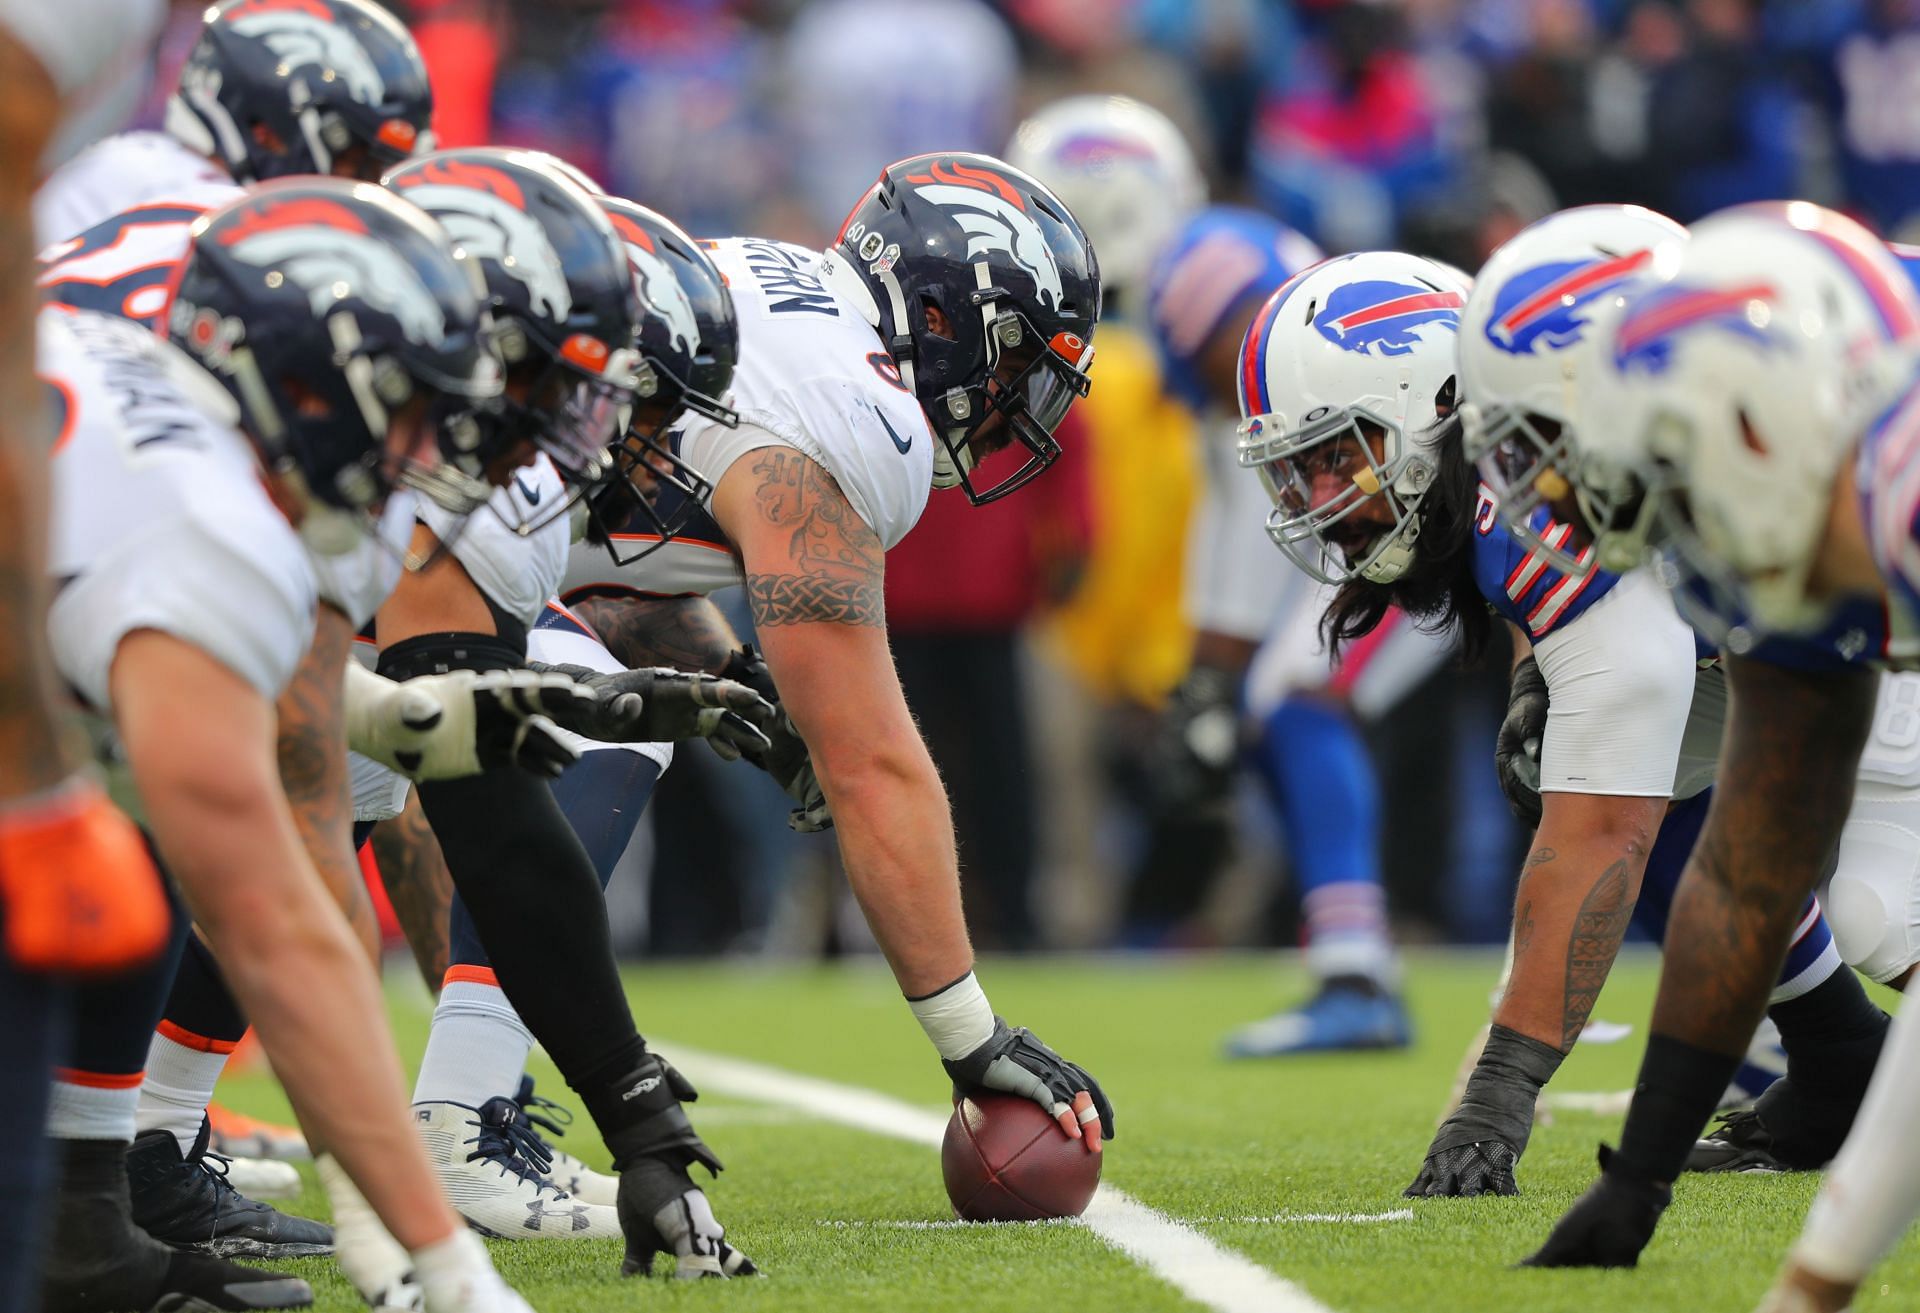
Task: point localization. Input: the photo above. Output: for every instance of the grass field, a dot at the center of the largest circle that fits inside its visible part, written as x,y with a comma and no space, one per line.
1248,1154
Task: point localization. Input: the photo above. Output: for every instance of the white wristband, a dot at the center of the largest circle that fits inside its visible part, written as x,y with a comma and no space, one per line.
958,1019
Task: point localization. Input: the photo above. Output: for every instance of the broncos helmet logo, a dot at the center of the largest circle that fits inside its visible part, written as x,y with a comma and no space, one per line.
304,39
1388,316
1542,306
1646,337
493,229
659,289
320,259
994,218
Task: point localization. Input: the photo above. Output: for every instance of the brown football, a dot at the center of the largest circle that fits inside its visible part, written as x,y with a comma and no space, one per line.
1005,1160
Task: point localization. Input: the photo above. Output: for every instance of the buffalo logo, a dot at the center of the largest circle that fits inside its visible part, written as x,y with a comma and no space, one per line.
1385,316
327,252
1646,337
485,214
306,35
991,213
659,289
1543,305
1101,153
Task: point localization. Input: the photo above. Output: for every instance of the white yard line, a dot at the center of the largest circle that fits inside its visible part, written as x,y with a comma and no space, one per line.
1255,1219
1176,1253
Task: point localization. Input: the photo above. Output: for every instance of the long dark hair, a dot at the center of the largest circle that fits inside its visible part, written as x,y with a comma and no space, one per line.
1438,591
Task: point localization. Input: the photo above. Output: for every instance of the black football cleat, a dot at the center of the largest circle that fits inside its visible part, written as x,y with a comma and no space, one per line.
1782,1132
1607,1226
185,1201
98,1261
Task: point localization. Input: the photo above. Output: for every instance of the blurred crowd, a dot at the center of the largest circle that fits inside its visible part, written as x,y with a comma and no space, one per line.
1440,126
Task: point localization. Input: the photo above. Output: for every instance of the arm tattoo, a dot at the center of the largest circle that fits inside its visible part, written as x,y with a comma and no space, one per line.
836,559
1591,948
313,766
686,633
418,885
1523,928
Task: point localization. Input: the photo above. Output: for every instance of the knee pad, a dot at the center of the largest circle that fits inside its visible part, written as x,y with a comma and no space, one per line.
1873,898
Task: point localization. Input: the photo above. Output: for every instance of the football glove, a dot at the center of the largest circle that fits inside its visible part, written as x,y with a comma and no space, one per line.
684,1226
1476,1148
786,757
1516,749
1196,745
450,726
1610,1224
1012,1060
658,705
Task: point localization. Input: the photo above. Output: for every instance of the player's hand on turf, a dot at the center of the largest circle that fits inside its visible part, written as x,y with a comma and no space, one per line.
663,1212
1196,746
658,705
1476,1148
450,726
1482,1167
1012,1060
1610,1224
785,757
1516,749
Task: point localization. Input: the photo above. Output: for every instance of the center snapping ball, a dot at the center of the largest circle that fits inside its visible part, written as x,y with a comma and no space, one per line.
1005,1160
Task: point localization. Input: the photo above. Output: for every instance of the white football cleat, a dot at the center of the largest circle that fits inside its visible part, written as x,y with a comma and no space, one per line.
264,1178
494,1170
549,1121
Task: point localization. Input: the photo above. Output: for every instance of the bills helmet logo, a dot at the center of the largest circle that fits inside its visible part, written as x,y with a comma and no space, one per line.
995,218
305,34
1543,306
1646,337
1099,152
659,289
484,212
325,250
1385,318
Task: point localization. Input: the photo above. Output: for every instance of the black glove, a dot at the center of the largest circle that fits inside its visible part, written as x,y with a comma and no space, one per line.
658,705
1610,1224
1014,1061
1516,749
786,757
1475,1150
683,1225
1196,745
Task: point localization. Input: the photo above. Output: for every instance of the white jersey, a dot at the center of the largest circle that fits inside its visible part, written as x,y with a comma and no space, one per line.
1237,584
99,54
518,572
813,376
159,517
130,171
358,582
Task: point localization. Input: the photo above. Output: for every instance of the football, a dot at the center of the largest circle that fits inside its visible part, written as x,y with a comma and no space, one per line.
1005,1160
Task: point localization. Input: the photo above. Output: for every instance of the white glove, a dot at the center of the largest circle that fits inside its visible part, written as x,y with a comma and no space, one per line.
447,727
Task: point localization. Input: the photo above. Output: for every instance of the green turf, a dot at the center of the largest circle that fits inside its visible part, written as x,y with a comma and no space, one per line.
1200,1138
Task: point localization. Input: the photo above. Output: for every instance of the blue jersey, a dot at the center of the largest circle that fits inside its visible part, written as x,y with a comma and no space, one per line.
1519,583
1225,259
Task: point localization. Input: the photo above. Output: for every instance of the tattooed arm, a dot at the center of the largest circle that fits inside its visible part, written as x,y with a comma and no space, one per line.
313,769
418,884
814,575
685,633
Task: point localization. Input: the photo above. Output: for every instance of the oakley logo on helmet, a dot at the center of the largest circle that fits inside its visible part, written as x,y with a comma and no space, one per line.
994,218
658,287
484,212
1542,305
1361,317
1646,337
305,35
327,252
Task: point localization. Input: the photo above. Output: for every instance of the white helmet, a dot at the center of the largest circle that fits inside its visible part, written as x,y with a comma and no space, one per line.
1747,369
1349,370
1528,346
1124,170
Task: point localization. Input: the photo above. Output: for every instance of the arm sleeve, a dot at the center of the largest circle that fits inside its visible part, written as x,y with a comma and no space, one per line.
1621,680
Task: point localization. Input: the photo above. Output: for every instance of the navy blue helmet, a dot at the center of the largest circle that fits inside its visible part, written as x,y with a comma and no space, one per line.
1017,284
280,87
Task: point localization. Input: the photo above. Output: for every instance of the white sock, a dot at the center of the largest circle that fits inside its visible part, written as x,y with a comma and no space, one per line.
369,1257
457,1277
178,1087
1346,924
82,1109
477,1049
1871,1191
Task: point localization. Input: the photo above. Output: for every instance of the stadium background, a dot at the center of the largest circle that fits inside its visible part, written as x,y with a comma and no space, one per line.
1437,125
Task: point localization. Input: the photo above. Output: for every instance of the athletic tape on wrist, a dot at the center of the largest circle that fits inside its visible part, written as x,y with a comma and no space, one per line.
958,1019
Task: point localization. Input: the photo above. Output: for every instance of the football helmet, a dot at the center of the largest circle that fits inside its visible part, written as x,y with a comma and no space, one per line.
323,307
1745,371
689,342
1007,265
280,87
1346,374
1528,344
1124,170
564,305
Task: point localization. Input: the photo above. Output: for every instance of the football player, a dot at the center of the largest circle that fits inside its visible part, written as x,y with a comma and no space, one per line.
1735,383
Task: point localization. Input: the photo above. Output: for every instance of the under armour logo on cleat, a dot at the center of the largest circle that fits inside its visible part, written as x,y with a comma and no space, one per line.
538,1212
